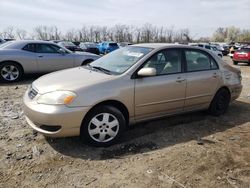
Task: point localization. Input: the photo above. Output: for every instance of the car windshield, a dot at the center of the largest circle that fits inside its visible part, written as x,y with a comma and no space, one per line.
121,60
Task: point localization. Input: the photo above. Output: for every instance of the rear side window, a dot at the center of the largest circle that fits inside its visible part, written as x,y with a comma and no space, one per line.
30,48
198,61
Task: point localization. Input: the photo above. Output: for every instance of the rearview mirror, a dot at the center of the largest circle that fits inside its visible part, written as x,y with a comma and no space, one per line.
145,72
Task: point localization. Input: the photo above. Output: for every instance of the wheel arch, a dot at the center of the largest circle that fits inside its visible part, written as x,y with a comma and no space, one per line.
11,61
223,87
114,103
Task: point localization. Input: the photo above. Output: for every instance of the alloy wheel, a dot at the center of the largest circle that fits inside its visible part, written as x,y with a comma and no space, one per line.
103,127
9,72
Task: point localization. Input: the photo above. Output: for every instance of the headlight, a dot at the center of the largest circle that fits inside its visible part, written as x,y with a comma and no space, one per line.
57,97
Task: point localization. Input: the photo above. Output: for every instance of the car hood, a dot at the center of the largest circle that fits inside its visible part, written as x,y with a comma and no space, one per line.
71,79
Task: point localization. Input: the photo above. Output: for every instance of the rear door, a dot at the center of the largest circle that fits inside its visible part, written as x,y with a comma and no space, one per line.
49,58
164,93
203,77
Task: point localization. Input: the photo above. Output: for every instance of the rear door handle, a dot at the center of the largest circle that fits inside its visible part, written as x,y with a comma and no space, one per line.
40,56
215,75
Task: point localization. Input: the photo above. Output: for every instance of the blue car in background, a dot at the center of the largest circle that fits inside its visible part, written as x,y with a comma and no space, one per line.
106,47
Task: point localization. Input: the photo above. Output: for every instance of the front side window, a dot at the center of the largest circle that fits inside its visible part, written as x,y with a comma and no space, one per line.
165,62
198,61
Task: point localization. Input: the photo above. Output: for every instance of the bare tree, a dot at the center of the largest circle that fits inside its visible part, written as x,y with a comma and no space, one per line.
8,33
21,34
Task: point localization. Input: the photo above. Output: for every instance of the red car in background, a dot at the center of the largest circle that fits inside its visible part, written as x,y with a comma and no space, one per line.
242,55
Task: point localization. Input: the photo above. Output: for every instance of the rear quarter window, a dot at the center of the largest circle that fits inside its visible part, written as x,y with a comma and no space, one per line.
30,48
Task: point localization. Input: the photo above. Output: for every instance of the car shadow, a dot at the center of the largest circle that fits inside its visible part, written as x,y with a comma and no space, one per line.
158,134
26,80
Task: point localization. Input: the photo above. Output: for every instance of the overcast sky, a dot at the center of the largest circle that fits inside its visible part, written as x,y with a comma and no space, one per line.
202,17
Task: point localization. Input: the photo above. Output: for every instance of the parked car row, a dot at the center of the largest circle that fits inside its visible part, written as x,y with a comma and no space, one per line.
209,47
91,47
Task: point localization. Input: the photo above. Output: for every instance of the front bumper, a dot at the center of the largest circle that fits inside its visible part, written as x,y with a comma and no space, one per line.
44,118
235,91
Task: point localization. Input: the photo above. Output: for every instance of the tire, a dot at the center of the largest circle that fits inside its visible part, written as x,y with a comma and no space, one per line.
103,126
235,62
220,102
10,72
87,62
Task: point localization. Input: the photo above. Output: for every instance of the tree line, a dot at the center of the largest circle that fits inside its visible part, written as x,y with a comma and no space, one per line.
125,33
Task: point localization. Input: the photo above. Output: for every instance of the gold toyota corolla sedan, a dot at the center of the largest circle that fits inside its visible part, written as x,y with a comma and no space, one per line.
130,85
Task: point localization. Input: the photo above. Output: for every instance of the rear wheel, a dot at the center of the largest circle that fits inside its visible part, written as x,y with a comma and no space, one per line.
220,102
103,126
235,62
10,72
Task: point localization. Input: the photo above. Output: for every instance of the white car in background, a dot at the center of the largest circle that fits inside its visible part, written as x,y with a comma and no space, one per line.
209,47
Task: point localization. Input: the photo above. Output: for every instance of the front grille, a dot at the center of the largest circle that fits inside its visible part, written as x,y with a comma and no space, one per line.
32,93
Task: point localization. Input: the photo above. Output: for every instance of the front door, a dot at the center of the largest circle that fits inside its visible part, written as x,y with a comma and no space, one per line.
50,59
164,93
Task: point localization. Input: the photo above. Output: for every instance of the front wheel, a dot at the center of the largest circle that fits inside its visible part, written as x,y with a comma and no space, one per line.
103,126
10,72
220,102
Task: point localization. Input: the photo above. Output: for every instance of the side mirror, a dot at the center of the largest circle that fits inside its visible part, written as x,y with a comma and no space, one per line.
146,72
61,51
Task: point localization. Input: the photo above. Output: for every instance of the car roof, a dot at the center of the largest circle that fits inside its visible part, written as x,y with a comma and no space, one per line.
21,43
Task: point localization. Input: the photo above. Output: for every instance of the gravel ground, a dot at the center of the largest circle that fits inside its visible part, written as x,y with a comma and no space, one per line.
192,150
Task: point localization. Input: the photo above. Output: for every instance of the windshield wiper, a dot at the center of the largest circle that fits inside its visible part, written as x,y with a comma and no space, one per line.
101,69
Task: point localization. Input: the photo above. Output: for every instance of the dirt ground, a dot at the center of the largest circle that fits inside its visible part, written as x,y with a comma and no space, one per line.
192,150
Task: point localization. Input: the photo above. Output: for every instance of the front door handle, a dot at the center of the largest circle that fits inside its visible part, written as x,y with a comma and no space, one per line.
40,56
179,80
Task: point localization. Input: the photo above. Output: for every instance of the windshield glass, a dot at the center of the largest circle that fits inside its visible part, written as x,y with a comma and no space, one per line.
121,60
